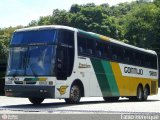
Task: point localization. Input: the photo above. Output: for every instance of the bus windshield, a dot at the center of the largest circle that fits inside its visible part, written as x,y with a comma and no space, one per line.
32,60
34,37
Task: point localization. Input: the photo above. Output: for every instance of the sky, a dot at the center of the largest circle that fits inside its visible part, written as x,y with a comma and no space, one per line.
21,12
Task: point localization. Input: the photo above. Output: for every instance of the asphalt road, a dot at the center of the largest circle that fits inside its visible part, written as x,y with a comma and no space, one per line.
92,105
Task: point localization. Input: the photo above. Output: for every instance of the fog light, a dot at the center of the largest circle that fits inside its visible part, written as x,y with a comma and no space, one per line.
41,90
45,91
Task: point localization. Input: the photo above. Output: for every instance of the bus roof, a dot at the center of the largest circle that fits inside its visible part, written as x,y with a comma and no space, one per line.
46,27
94,35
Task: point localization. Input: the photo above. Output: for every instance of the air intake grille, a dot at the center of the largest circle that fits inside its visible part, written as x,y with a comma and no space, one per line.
153,87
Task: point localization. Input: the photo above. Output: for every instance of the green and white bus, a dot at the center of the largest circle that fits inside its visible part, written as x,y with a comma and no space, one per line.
62,62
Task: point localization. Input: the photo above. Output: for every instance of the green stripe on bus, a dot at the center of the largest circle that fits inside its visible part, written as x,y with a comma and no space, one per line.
110,77
105,77
90,34
101,77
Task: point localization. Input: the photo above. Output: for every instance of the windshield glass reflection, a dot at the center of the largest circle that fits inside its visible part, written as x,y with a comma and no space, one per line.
32,61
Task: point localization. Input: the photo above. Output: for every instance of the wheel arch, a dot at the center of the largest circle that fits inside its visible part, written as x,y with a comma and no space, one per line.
140,85
80,84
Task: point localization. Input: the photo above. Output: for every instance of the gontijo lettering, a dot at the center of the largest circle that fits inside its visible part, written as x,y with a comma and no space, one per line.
133,70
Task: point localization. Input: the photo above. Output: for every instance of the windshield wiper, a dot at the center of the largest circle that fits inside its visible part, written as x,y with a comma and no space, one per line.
34,73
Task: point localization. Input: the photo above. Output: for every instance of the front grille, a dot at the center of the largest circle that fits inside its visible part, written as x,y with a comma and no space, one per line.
25,82
153,87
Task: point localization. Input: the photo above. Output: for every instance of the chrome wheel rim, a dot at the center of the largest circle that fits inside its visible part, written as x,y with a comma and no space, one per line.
145,93
75,93
140,93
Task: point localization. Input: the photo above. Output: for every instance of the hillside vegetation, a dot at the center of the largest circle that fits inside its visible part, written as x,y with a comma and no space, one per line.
136,23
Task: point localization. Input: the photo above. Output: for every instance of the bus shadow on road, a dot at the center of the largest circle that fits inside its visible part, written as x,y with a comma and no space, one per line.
44,106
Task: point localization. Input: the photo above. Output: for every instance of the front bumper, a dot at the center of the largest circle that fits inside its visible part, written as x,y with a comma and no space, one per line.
30,91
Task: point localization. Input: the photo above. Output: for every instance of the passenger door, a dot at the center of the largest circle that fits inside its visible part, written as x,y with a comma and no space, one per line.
65,54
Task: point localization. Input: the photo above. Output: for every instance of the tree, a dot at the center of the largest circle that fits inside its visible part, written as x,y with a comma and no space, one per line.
61,17
5,37
44,20
75,8
33,23
138,25
157,3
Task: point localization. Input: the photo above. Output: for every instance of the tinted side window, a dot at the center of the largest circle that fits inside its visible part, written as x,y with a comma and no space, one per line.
99,48
66,37
81,45
150,61
126,56
107,51
117,53
142,59
154,62
120,53
86,45
114,53
138,59
90,46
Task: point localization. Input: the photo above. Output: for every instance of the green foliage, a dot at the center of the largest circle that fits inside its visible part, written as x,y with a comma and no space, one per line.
44,20
139,25
5,36
157,3
136,23
75,8
33,23
61,17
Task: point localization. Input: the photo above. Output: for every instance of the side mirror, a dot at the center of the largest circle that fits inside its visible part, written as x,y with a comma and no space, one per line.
60,57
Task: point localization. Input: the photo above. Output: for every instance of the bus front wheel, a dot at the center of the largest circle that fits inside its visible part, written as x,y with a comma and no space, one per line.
75,95
36,101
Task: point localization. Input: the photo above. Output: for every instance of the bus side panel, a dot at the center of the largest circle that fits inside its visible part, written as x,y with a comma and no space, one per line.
112,82
105,77
95,89
128,85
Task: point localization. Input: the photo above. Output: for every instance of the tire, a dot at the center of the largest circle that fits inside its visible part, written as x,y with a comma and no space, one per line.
75,95
139,96
36,101
111,99
145,93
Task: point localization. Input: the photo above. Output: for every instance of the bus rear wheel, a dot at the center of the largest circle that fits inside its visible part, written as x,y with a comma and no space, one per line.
75,95
139,96
139,93
145,93
36,101
111,99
